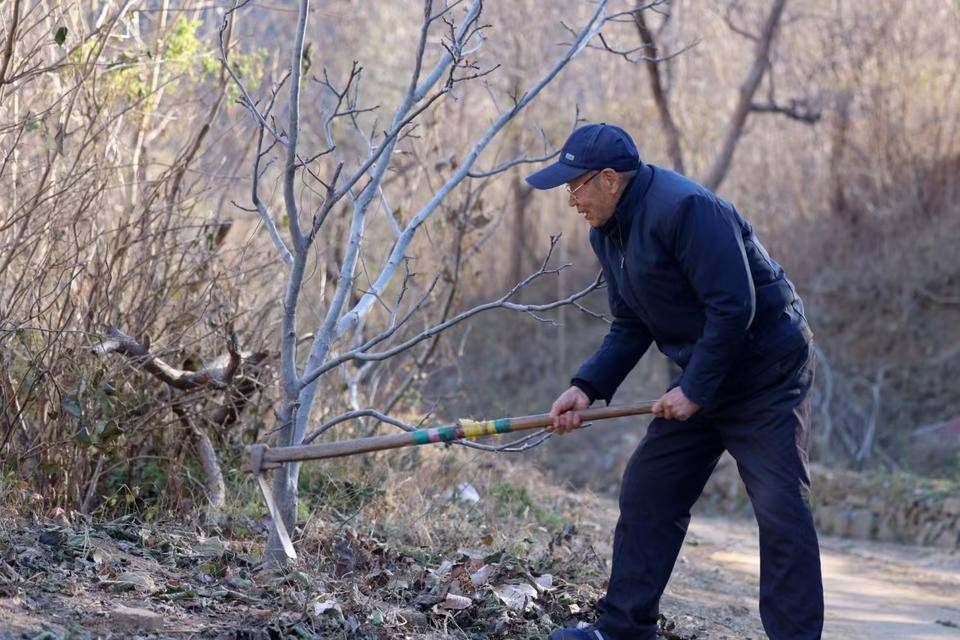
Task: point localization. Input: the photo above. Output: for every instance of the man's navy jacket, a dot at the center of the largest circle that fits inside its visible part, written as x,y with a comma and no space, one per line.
683,268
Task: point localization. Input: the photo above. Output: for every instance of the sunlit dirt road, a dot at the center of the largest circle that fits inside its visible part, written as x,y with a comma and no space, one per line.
872,591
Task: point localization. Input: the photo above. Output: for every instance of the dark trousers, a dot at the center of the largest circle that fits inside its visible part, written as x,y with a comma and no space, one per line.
766,431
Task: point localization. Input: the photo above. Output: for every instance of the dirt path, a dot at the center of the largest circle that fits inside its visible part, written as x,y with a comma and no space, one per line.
872,590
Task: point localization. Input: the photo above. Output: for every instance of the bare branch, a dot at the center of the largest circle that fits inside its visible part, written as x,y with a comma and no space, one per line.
265,216
630,54
798,109
925,292
293,133
422,45
353,415
246,100
419,96
386,274
736,28
217,374
8,49
510,164
396,324
501,303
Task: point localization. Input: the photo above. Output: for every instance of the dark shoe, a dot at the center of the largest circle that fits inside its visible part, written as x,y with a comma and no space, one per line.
572,633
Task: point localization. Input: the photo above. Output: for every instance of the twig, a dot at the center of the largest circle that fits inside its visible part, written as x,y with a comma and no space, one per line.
500,303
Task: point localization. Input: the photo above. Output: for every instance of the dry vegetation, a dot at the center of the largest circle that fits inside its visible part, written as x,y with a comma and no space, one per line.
381,557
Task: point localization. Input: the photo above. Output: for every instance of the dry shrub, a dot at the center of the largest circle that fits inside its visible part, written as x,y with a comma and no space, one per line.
110,220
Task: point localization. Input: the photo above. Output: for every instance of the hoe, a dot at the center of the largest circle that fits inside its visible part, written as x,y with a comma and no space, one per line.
261,458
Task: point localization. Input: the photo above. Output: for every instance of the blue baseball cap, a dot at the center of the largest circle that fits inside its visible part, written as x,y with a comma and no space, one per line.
591,147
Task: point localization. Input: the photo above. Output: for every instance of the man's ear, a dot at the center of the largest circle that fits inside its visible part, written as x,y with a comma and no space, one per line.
610,178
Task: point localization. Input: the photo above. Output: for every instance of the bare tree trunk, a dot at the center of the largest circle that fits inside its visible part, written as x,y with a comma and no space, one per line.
761,62
657,89
866,445
293,412
522,195
216,489
827,398
91,492
9,46
138,166
838,148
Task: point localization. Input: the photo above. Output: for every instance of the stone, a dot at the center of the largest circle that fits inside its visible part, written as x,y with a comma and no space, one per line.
861,524
545,582
887,530
839,522
951,506
137,618
481,576
327,607
825,518
455,602
138,581
949,539
515,596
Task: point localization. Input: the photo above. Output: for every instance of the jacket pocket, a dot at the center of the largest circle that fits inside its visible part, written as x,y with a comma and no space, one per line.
772,299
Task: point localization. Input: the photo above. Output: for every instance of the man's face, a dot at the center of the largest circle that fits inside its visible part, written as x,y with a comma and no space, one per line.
595,195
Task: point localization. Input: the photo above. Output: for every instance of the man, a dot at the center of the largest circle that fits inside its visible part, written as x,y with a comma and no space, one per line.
684,269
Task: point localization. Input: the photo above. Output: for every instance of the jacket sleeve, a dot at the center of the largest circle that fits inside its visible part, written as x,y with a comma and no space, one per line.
709,248
623,346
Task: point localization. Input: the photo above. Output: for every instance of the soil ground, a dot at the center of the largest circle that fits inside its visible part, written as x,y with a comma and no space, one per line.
875,591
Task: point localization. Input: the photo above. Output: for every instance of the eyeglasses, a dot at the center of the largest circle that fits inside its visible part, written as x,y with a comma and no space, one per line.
573,192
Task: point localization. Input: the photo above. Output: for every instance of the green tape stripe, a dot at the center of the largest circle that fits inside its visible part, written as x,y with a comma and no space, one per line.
456,431
448,434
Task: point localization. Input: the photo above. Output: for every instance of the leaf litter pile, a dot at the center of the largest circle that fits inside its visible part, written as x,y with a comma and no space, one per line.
500,567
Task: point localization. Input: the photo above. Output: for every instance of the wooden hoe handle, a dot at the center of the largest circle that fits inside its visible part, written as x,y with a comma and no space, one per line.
263,457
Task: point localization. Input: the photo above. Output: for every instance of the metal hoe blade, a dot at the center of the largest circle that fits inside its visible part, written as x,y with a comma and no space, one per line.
259,469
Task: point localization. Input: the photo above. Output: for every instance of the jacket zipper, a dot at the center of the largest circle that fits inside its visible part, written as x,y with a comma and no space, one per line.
623,251
626,276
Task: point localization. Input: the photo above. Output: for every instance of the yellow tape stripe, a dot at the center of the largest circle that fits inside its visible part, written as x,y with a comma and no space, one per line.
476,428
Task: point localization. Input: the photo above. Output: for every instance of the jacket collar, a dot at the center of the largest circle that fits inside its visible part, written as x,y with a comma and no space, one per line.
631,197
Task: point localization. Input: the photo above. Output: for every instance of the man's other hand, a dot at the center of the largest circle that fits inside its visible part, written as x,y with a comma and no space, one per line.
674,405
564,420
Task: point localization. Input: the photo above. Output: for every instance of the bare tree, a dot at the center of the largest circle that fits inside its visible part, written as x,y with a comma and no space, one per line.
357,185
